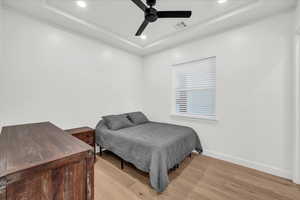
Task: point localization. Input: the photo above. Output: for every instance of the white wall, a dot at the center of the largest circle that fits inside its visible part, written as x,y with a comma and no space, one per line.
296,175
1,33
298,16
254,93
52,74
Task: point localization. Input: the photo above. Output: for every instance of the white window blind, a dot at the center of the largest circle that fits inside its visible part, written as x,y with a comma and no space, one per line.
194,88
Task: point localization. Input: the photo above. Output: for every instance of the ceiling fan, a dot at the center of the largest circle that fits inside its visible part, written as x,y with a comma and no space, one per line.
151,14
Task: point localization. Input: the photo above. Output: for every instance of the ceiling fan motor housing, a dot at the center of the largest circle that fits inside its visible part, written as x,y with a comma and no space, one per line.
151,2
151,14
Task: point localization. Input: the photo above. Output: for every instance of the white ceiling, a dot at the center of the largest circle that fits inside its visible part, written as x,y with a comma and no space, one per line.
122,17
116,21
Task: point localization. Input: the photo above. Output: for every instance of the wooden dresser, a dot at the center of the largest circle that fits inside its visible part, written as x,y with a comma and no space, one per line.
41,162
85,134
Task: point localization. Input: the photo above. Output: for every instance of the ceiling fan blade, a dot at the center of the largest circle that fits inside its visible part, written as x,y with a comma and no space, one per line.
174,14
142,28
140,4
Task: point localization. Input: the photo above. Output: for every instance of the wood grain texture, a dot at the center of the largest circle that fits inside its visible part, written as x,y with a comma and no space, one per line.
52,166
30,145
3,184
64,183
85,134
79,130
90,176
197,178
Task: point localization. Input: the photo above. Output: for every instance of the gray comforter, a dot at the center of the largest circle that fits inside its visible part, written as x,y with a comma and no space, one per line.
152,147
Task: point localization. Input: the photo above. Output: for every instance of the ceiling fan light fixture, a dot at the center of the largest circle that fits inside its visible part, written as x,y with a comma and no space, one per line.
222,1
143,37
81,4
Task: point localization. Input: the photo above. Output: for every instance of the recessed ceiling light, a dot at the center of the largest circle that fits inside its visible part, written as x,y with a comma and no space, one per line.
81,4
222,1
143,37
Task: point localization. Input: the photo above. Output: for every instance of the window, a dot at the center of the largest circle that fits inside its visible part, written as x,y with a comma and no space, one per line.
194,89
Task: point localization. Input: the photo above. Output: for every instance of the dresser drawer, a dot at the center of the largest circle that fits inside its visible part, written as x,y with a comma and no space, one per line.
87,137
84,134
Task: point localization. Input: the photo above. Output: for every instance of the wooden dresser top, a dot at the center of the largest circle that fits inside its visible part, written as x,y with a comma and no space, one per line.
26,146
79,130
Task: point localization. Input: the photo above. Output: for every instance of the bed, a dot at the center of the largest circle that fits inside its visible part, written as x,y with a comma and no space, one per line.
152,147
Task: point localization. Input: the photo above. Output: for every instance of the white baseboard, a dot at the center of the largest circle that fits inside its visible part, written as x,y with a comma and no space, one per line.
296,180
251,164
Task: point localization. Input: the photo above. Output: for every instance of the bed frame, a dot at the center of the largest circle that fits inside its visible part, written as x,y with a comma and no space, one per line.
123,161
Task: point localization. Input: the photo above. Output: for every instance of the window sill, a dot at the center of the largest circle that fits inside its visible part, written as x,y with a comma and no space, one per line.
194,116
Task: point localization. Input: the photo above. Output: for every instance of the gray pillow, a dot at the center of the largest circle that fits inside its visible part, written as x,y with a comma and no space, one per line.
116,122
138,118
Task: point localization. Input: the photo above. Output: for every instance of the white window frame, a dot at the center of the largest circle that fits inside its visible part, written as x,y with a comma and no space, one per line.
173,99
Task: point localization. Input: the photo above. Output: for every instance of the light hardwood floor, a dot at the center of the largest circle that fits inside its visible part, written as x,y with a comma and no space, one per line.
198,178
